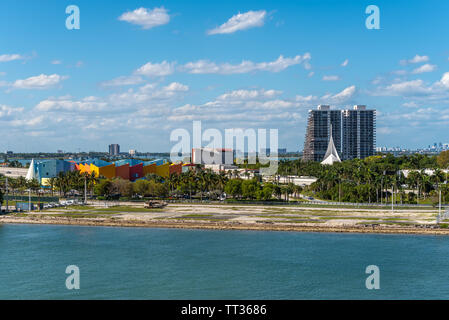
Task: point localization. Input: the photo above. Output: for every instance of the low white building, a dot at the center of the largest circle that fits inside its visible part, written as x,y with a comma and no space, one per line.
429,172
296,180
213,156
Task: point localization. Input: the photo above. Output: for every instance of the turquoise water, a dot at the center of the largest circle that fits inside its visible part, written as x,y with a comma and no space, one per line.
120,263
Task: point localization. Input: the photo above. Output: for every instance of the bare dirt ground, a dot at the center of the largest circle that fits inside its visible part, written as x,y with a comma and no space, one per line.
218,216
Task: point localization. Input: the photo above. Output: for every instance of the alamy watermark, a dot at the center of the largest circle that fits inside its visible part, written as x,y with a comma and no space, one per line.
373,20
73,20
236,141
73,280
373,280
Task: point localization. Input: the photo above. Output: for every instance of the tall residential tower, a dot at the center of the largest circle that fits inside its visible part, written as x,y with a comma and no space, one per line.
359,133
353,132
318,134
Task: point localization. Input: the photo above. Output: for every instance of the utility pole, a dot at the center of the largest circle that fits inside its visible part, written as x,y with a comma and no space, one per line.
392,198
381,191
7,195
439,208
85,189
29,200
339,192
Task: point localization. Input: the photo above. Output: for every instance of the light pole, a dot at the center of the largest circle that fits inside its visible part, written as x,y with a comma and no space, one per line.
85,189
439,206
7,195
392,199
339,192
29,199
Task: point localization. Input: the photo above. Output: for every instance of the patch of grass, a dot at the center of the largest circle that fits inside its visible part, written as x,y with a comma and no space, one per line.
124,209
198,216
77,207
344,218
210,218
398,223
304,221
282,217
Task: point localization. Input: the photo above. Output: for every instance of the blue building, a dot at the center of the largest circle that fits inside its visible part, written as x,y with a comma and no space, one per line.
42,170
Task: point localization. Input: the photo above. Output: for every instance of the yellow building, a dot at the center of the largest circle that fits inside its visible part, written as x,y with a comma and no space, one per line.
163,170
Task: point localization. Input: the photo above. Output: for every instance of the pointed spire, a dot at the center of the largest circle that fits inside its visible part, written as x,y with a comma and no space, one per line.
331,155
31,174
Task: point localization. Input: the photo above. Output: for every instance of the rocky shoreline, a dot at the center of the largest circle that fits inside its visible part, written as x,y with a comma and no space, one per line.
114,222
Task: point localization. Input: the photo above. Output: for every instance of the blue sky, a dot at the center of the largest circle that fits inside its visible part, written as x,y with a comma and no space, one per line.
136,70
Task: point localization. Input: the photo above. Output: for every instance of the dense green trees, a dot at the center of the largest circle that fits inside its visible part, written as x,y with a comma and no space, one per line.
443,159
251,189
233,188
373,179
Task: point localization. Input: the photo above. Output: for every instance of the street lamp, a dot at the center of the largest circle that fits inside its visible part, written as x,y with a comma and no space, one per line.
392,198
7,195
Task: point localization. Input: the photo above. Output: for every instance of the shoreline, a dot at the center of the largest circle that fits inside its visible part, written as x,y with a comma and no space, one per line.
204,225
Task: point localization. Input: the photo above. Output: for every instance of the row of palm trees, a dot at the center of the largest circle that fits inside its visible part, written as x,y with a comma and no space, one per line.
373,179
63,183
197,182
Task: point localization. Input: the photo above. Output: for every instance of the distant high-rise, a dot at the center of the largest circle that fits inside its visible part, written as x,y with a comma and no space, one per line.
114,149
359,133
319,125
353,132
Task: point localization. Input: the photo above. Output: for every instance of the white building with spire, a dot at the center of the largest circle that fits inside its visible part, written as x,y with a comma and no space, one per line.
32,172
331,155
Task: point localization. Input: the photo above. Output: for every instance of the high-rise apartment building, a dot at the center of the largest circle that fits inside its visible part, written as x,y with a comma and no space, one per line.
319,124
114,149
353,132
359,132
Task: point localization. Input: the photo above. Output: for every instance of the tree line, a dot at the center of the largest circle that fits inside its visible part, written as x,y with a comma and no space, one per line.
376,178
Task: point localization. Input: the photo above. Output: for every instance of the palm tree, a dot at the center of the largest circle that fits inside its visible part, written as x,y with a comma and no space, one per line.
52,183
21,183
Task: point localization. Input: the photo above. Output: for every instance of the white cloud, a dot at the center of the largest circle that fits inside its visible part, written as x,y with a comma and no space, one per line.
385,130
149,92
42,81
307,99
10,57
249,94
411,104
331,78
432,92
56,62
424,68
343,96
345,63
415,59
123,81
258,107
412,86
7,112
346,94
241,21
156,69
88,104
208,67
176,86
444,82
146,18
399,72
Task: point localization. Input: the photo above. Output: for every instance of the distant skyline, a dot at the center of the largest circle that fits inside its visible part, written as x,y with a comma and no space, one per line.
136,70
